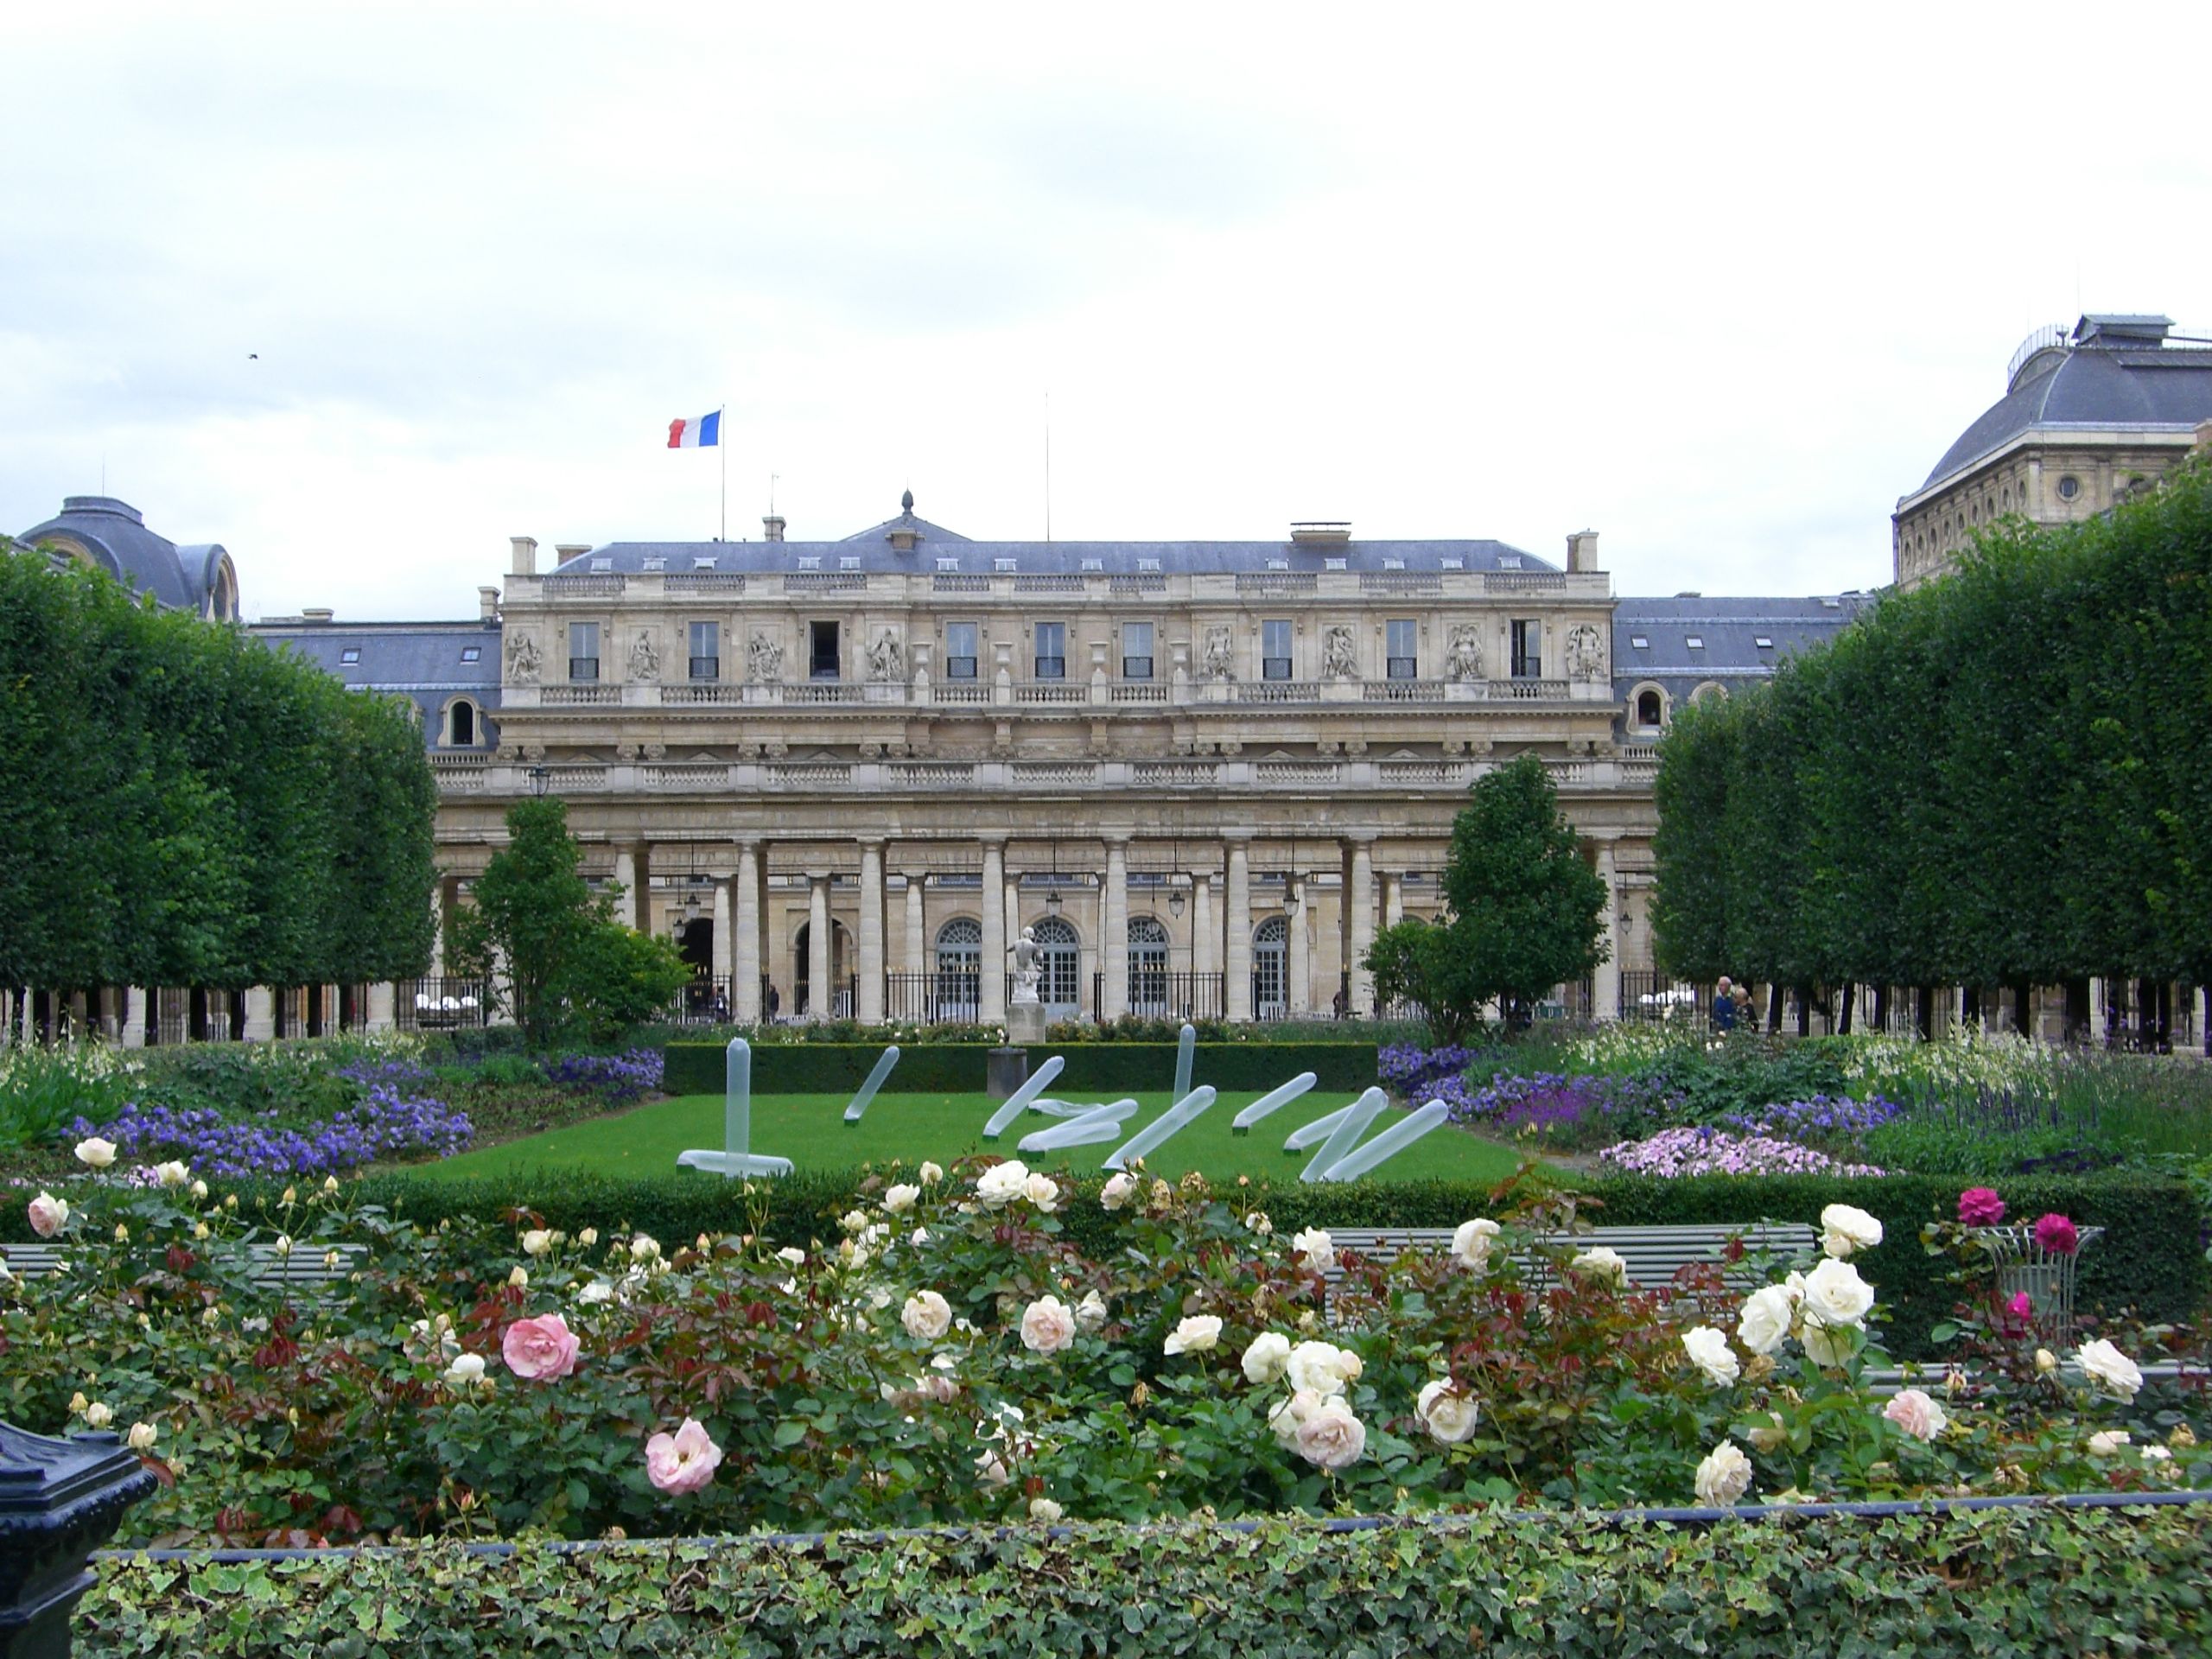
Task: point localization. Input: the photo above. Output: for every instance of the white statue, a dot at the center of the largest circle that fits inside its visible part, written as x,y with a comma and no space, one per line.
645,661
1219,663
1339,662
1586,653
884,658
765,660
522,660
1026,970
1463,661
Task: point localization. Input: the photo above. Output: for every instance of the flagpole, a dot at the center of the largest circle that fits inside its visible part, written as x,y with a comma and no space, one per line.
724,449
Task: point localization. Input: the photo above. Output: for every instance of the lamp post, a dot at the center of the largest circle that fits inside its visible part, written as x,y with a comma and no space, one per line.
539,778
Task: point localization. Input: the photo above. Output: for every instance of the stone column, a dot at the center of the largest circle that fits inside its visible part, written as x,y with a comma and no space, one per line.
1363,925
1607,987
260,1014
820,996
992,993
134,1017
380,1011
629,908
738,904
1236,933
917,927
7,1017
1393,898
1299,963
1013,910
723,963
868,1004
1202,924
1114,937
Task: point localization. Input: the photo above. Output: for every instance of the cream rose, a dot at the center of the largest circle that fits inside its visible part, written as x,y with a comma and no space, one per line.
2106,1441
2108,1369
96,1152
1315,1245
1091,1312
1042,1191
1449,1415
1836,1295
1001,1184
1321,1368
1330,1437
1194,1335
1045,1512
932,1173
1117,1192
1471,1243
900,1198
467,1371
1764,1324
1770,1436
1825,1344
141,1437
926,1316
1709,1351
98,1414
1285,1418
1724,1476
1845,1227
537,1241
171,1175
49,1214
1265,1358
1601,1262
1915,1413
1048,1325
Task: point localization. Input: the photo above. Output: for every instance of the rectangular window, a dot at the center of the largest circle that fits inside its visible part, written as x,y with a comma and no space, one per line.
1640,641
1528,650
1136,651
1147,565
1402,652
1005,566
960,651
1094,564
948,562
848,562
1695,641
602,563
1452,561
1278,564
706,652
702,561
1052,651
822,650
1764,643
472,653
584,651
653,562
1275,650
351,654
1328,563
810,562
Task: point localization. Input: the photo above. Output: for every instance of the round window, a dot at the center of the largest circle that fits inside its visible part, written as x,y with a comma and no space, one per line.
2069,487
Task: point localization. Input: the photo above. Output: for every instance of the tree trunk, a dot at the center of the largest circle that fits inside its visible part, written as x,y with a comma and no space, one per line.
1924,1018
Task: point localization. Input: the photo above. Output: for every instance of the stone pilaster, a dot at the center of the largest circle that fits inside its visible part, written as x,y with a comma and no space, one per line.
1237,931
1113,904
992,992
870,1002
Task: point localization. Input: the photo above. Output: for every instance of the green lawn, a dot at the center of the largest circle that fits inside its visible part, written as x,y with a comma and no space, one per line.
810,1131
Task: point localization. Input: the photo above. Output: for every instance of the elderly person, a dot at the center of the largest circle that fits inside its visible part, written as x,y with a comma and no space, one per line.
1723,1006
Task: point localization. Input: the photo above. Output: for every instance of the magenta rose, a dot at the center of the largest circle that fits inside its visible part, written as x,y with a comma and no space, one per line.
2057,1235
683,1461
540,1349
2021,1306
1980,1206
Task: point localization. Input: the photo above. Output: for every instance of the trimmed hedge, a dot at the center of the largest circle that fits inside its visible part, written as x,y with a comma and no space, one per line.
2018,1581
959,1068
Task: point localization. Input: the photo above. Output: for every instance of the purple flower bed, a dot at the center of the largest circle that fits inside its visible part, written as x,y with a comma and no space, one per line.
1407,1071
1823,1120
1709,1151
402,1074
614,1077
386,1124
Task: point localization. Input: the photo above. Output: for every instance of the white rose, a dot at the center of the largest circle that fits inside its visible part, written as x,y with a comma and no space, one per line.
1471,1243
597,1292
1709,1351
2106,1441
199,1189
537,1241
519,1277
1117,1192
97,1152
2108,1369
1825,1344
1601,1262
1763,1325
1048,1325
1001,1184
1314,1245
1724,1477
792,1255
990,1468
1770,1436
644,1248
1257,1222
1045,1512
932,1173
466,1370
98,1415
1836,1295
1265,1359
1330,1437
854,1222
141,1437
1043,1191
1194,1335
1449,1415
1091,1312
2151,1454
587,1238
171,1175
918,1237
2046,1361
1320,1367
1845,1229
1914,1412
899,1199
1285,1418
926,1316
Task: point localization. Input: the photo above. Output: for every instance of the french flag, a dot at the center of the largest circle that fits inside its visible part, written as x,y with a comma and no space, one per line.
704,433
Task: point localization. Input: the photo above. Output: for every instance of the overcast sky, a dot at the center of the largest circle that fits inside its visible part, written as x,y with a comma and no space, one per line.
1719,285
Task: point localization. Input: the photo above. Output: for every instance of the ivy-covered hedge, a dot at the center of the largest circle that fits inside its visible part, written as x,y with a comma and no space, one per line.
959,1068
2018,1581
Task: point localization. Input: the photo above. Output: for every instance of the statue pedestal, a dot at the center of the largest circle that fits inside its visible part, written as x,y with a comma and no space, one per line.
1025,1024
1006,1070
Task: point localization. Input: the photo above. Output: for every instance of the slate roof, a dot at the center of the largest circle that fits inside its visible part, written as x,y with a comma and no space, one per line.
421,660
116,534
1730,629
2118,374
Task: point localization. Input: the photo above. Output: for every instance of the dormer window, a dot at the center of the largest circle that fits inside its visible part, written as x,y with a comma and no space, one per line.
602,563
1094,564
848,562
1147,565
1452,561
1335,565
1394,564
1640,641
1695,641
948,562
703,562
351,654
1764,643
1278,564
1508,560
653,562
472,653
1005,566
810,562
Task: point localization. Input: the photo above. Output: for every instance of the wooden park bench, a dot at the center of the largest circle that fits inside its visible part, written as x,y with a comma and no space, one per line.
305,1268
1653,1254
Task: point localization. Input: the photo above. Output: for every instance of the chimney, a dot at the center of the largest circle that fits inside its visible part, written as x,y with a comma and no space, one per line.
316,618
524,561
1334,533
1582,550
487,604
564,552
772,527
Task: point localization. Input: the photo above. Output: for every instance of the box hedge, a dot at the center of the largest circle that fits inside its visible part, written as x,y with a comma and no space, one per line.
2026,1580
958,1068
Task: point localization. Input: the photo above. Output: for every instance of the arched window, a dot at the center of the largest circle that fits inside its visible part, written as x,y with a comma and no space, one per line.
1271,969
1650,706
1059,961
958,993
1149,967
461,723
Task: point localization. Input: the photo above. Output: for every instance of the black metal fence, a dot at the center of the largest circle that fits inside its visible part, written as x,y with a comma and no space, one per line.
440,1004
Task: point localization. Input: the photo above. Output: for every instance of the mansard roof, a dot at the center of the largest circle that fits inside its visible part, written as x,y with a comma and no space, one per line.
114,534
424,661
1728,632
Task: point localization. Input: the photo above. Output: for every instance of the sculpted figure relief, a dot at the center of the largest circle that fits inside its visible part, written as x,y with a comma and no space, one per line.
1586,653
1338,661
763,660
885,661
522,660
1463,660
645,661
1219,663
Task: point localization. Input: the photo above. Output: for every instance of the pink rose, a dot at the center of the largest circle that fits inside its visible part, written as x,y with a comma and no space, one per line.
1916,1414
683,1461
49,1215
2021,1306
2057,1235
540,1349
1980,1206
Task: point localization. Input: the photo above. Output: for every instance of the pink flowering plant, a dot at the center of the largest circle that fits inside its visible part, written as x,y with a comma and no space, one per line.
942,1351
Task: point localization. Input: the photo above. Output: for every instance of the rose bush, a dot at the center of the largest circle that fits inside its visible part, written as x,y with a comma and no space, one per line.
948,1354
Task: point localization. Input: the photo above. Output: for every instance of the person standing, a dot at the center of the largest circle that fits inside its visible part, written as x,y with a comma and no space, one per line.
1723,1006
